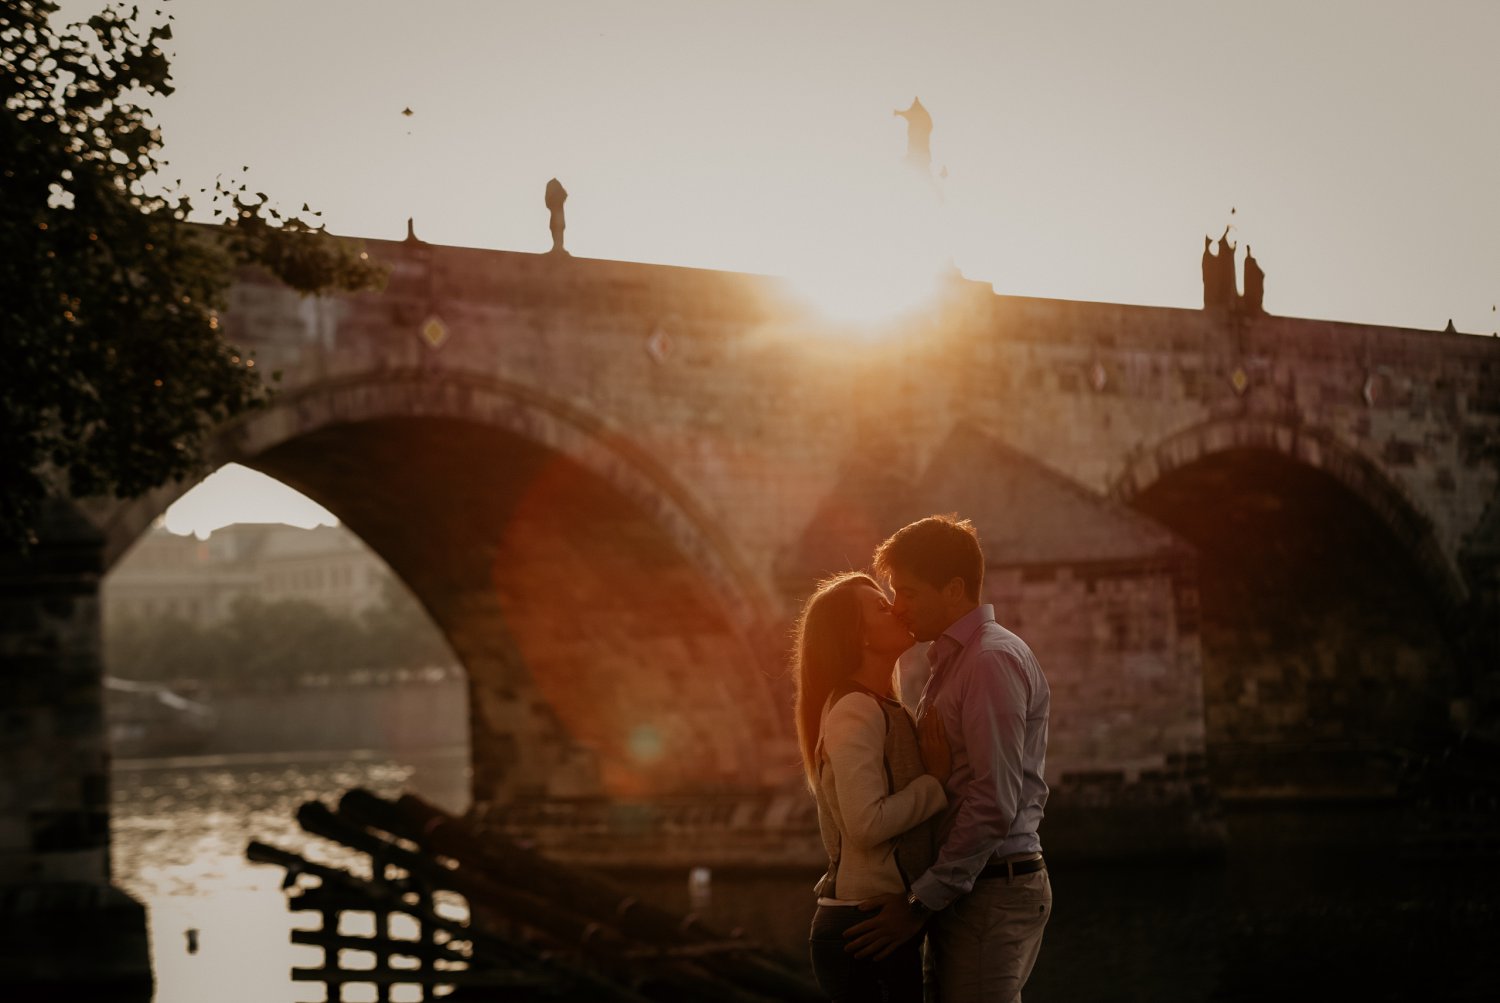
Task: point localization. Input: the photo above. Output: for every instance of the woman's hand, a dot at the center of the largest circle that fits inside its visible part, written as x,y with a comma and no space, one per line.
933,740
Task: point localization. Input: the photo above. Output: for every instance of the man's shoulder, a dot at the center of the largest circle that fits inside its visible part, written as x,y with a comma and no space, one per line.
993,635
997,641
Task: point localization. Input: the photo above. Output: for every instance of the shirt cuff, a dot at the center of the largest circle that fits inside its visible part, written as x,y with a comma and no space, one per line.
932,892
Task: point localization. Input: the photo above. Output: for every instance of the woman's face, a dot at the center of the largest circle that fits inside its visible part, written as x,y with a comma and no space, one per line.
884,634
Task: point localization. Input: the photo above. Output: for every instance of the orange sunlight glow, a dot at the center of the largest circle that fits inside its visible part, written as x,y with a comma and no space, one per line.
868,296
880,251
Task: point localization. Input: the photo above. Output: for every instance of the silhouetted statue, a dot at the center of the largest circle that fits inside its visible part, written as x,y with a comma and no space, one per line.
1220,286
1255,285
556,196
1229,288
918,135
1211,295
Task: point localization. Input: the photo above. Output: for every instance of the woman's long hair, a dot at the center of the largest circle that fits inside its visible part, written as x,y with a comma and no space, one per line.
829,649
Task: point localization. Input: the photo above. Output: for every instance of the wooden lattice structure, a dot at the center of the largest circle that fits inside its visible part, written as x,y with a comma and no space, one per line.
534,929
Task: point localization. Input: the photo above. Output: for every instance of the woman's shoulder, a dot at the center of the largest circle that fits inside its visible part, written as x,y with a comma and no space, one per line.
852,708
862,698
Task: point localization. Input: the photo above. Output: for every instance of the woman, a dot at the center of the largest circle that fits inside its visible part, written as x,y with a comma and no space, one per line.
865,764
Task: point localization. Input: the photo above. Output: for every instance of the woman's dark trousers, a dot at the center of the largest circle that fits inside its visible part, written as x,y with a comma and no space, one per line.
847,979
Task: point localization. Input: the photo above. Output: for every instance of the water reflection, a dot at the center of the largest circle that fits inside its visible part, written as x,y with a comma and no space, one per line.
179,832
1308,904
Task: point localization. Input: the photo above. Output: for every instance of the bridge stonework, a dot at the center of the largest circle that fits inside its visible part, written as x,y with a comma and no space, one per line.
612,483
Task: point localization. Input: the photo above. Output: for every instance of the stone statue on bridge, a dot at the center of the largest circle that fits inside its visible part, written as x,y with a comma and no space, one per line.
1220,286
1255,285
1228,284
1211,295
556,196
1220,289
918,135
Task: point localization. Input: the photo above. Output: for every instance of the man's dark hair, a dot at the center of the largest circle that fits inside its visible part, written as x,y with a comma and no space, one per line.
935,550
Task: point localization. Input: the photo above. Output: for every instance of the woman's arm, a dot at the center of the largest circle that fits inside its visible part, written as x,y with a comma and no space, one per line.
854,738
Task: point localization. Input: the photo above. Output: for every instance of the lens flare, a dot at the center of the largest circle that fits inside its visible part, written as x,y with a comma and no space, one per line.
646,744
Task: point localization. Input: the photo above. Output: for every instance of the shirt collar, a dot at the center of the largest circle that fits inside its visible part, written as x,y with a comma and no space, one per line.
959,634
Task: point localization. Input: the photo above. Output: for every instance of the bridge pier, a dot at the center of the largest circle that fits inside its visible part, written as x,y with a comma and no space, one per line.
63,927
1481,563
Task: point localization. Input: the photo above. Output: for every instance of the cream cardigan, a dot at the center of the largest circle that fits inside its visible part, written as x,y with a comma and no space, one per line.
854,787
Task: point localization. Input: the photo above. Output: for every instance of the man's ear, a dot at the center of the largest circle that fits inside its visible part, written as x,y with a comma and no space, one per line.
956,591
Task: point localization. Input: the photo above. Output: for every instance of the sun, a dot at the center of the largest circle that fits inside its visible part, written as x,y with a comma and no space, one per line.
880,256
868,296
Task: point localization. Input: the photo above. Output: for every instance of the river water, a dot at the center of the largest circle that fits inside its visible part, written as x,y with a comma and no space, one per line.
179,830
1308,904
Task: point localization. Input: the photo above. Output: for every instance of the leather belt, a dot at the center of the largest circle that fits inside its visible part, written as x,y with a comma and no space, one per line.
1011,868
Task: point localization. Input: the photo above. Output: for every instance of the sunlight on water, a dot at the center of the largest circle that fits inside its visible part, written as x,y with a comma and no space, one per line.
179,835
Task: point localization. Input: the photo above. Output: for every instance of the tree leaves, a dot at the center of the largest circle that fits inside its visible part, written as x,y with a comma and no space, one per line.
274,643
116,372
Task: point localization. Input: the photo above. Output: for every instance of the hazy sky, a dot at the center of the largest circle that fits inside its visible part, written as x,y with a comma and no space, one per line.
1089,146
238,494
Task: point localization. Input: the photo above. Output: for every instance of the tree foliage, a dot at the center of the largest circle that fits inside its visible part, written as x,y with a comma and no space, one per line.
275,644
115,370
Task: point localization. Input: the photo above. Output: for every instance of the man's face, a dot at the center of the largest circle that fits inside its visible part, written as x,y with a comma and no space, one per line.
923,609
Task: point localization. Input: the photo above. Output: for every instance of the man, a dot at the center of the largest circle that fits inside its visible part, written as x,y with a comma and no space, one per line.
987,898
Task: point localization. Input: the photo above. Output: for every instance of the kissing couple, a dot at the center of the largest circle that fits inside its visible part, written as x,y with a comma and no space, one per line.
930,815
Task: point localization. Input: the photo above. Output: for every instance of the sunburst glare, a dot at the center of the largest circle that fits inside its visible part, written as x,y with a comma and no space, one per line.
878,252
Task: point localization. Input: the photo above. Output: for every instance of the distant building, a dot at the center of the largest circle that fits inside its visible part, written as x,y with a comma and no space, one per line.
167,575
327,565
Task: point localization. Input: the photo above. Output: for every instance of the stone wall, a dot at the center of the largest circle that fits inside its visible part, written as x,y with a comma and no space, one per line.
61,922
54,771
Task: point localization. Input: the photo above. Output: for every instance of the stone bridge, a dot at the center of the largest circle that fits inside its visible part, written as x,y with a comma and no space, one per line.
1249,549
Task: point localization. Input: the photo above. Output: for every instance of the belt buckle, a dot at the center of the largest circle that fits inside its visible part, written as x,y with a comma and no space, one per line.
1011,865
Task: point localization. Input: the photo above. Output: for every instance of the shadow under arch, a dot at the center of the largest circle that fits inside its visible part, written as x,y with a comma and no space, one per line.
1311,447
614,642
1327,613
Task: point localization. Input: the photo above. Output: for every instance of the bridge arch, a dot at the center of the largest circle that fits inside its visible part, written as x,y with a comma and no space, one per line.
1307,446
1326,608
565,427
615,642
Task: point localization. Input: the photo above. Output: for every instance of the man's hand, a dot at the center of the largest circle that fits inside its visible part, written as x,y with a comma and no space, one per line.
878,936
936,755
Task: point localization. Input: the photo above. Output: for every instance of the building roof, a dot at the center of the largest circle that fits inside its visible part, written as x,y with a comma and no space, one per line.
1026,513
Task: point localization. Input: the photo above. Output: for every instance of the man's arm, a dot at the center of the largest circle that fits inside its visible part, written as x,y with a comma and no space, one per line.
992,716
